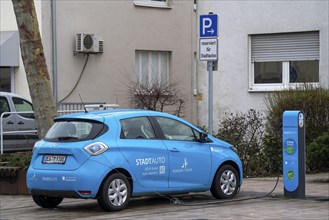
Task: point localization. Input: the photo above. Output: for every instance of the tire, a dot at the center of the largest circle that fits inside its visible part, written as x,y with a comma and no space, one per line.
226,183
115,192
46,201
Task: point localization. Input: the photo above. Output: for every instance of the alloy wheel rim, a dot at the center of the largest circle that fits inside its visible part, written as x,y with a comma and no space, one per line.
228,182
117,192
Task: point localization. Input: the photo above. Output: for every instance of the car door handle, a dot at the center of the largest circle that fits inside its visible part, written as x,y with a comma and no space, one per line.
10,123
174,149
20,123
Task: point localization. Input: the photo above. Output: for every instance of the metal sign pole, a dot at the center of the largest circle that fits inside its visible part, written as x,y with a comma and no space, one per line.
208,51
210,96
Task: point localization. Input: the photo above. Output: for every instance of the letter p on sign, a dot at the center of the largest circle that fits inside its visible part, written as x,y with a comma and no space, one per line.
208,25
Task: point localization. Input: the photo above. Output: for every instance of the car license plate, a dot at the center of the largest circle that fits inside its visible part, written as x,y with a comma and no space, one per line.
54,159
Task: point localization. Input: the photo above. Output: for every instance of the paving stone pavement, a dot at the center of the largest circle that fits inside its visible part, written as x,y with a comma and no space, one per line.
250,204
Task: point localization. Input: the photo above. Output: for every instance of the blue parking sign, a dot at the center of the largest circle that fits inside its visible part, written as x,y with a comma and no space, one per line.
209,25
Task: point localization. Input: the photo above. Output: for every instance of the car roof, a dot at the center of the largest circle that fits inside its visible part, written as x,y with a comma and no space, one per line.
11,94
120,113
101,114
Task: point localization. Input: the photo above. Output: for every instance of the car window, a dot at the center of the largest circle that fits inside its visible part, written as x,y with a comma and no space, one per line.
70,131
22,105
136,128
176,130
4,106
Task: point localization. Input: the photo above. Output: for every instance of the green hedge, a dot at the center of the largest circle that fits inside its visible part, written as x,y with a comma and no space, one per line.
17,159
314,102
258,135
245,132
318,154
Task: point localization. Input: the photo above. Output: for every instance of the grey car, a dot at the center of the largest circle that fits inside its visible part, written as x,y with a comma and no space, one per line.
16,123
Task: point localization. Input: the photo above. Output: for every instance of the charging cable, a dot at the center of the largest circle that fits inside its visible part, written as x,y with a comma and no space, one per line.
177,201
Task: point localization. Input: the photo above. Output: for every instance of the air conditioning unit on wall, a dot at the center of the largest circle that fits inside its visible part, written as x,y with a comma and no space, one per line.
88,43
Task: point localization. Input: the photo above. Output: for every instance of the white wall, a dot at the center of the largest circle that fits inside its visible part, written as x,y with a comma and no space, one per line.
8,23
237,20
124,28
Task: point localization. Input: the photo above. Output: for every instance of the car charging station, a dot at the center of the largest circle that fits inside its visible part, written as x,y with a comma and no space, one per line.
293,154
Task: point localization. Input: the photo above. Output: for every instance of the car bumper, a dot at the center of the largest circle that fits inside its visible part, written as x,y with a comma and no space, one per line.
83,182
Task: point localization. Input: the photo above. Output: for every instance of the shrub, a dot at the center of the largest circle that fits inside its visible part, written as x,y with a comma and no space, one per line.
314,102
318,154
17,159
272,149
245,132
157,96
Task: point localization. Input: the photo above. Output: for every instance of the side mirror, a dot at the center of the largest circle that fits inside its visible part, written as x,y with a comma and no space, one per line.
203,137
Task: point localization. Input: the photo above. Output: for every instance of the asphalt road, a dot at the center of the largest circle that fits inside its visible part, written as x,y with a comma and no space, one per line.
250,204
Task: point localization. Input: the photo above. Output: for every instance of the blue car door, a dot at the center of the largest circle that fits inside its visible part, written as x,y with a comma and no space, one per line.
190,160
146,155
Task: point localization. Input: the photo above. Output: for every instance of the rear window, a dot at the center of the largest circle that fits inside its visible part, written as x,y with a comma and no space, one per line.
75,130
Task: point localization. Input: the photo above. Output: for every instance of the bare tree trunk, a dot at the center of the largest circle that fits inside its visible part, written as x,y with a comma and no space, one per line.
35,65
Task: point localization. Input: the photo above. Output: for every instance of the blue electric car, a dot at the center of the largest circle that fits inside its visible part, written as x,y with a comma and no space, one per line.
114,155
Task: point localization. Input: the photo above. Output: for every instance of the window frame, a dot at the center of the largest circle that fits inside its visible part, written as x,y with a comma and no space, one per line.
153,3
270,87
150,74
12,78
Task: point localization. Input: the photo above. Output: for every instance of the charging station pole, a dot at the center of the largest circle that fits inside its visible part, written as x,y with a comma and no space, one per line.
293,154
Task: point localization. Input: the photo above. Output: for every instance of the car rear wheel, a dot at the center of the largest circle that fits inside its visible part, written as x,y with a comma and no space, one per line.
115,193
226,183
46,201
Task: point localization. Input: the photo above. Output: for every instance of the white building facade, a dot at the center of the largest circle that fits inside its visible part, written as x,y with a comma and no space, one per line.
142,40
263,46
12,72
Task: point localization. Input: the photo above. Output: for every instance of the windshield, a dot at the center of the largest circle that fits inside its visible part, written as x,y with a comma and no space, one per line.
75,130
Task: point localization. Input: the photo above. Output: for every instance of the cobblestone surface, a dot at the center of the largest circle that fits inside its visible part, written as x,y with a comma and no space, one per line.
195,206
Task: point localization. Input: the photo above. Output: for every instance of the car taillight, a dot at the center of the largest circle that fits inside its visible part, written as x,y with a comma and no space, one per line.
35,145
96,148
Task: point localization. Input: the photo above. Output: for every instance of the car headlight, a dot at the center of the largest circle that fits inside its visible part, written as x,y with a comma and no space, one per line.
96,148
234,149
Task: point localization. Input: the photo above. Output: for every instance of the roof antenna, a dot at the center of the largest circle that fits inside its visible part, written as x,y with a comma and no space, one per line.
84,107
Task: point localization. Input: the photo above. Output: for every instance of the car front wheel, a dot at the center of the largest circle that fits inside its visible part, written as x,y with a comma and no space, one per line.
226,183
46,201
115,193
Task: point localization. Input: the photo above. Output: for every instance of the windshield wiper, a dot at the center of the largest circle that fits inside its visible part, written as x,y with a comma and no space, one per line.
66,138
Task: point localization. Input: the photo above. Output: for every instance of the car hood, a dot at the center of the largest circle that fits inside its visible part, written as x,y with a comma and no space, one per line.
219,142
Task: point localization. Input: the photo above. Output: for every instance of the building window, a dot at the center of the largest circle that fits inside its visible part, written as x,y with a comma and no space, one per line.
152,67
152,3
279,61
5,79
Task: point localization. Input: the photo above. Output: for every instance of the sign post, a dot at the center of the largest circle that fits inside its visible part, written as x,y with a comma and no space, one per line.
209,52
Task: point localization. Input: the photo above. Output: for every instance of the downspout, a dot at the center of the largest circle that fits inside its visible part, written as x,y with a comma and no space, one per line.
54,49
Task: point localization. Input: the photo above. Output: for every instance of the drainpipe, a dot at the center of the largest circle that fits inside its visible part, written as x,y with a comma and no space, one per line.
54,49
